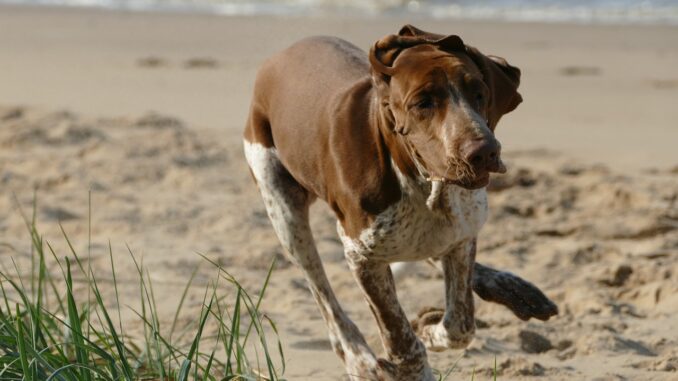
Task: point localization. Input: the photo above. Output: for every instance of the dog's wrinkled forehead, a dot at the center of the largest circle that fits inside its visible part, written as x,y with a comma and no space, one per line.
423,64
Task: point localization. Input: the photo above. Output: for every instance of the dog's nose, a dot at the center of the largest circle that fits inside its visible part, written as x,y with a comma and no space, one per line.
483,154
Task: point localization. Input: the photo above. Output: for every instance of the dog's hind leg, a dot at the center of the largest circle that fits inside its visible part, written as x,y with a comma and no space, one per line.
287,204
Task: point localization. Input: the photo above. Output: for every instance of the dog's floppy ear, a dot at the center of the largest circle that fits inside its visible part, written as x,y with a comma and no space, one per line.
411,30
449,43
502,80
383,56
385,51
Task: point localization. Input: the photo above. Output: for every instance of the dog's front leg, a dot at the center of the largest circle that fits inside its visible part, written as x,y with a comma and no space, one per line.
454,327
406,354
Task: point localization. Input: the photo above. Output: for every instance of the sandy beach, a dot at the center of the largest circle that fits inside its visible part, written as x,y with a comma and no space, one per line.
145,111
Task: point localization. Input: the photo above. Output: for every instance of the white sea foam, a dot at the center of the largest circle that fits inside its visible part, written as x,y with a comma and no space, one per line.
596,11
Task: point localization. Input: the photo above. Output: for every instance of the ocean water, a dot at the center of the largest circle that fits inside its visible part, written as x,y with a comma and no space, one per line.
594,11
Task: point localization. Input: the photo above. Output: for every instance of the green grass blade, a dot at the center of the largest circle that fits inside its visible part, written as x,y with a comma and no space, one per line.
87,370
181,302
260,298
117,341
186,366
23,355
208,367
62,307
495,368
74,322
235,333
280,348
155,327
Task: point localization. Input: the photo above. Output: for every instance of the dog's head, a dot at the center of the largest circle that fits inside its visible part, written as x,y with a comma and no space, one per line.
445,98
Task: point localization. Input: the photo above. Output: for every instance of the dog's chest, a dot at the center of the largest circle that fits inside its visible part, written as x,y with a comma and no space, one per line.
408,230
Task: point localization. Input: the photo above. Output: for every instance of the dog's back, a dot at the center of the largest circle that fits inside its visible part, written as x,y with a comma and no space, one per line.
315,65
312,70
311,102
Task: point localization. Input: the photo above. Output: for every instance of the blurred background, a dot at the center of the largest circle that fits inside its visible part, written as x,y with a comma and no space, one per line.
647,11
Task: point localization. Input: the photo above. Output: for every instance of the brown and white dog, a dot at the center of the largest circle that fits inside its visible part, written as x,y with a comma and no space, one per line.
400,144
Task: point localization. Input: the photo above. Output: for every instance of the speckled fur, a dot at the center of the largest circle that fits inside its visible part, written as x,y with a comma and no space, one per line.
406,231
410,231
287,205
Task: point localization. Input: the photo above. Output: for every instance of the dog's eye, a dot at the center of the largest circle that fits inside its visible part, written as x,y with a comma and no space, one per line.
425,103
480,99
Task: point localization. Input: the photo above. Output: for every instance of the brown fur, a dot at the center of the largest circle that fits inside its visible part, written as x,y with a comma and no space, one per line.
338,124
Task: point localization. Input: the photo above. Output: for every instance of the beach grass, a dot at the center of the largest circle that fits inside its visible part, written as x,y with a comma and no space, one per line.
48,331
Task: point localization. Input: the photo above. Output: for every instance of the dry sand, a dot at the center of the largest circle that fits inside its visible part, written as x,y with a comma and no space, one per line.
588,210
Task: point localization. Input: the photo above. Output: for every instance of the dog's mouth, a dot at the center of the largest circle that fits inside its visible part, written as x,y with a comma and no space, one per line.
467,177
470,180
476,182
451,170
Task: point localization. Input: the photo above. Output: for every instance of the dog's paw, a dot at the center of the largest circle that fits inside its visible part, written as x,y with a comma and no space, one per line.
523,298
386,370
426,316
438,337
410,369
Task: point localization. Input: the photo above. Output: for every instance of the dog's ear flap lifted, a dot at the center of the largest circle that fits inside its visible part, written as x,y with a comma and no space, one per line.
413,31
382,56
385,51
449,43
503,81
